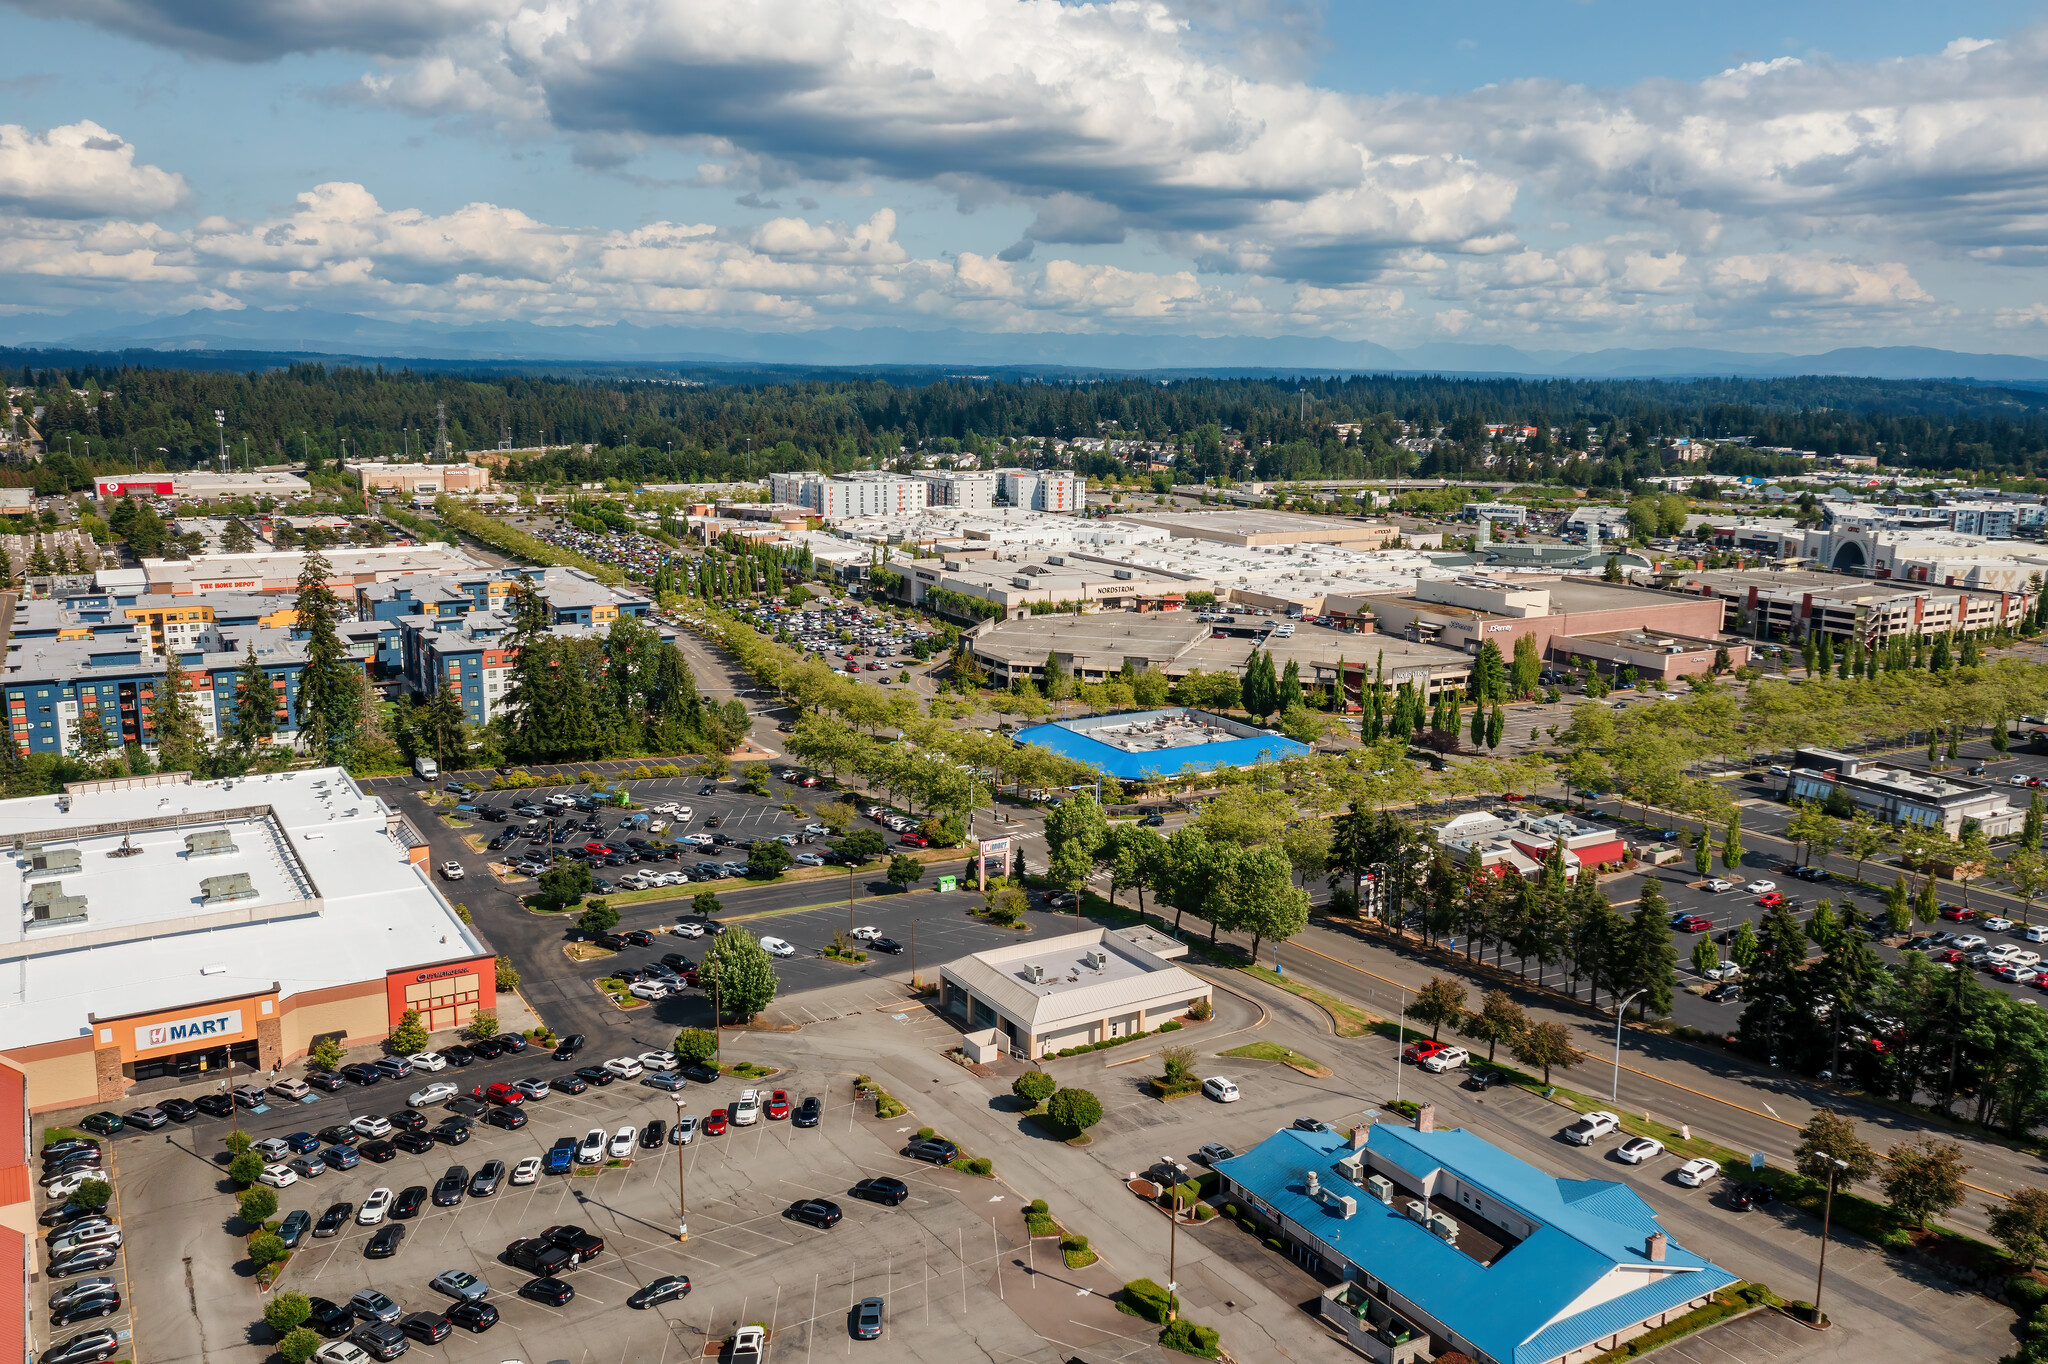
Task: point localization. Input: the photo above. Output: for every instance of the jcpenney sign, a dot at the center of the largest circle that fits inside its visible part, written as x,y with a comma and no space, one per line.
189,1031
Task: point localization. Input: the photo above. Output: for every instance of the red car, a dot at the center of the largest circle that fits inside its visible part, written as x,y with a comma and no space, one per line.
1695,923
714,1126
1957,913
599,849
1419,1052
502,1093
915,840
1770,901
778,1104
1948,957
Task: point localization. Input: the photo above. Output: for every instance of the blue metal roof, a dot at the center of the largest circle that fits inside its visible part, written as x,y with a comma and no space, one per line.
1514,1310
1128,766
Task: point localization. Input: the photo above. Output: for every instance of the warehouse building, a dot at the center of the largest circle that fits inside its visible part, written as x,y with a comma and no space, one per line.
168,925
1041,997
1436,1242
378,476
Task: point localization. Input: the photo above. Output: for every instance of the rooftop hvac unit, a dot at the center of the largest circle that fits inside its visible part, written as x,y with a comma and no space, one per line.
216,890
1418,1210
1122,573
1096,958
1444,1229
1347,1206
54,862
1034,973
210,843
1382,1188
48,904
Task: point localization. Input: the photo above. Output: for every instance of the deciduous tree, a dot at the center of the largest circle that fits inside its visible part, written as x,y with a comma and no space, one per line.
1440,1001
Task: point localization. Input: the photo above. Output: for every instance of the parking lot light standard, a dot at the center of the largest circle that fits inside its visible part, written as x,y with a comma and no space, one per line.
682,1203
1827,1212
1614,1092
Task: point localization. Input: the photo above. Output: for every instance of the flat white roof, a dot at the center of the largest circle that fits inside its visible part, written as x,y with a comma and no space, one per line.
332,898
1071,987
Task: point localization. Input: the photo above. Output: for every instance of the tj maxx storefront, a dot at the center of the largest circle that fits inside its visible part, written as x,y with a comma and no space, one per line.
260,1032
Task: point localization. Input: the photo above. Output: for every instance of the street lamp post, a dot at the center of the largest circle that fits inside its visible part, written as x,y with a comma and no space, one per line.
1173,1243
1827,1213
682,1202
1614,1092
1400,1039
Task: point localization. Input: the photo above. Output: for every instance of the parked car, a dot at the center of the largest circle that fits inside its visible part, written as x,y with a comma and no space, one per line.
1697,1171
1220,1089
882,1189
1636,1150
818,1212
1446,1059
667,1288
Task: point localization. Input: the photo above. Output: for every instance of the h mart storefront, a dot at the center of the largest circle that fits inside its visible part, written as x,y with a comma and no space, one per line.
259,1032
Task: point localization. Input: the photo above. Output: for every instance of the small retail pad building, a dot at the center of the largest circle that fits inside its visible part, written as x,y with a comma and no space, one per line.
1440,1241
167,925
1045,995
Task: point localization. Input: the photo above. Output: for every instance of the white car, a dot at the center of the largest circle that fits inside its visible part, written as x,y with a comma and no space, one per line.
776,947
591,1152
1450,1058
1968,942
433,1062
659,1060
688,930
341,1352
748,1110
647,989
1726,970
1636,1150
1698,1171
1591,1127
374,1207
1221,1090
276,1176
621,1143
1761,887
288,1088
2036,933
371,1125
1995,924
625,1067
1717,885
866,933
684,1132
451,871
526,1171
432,1094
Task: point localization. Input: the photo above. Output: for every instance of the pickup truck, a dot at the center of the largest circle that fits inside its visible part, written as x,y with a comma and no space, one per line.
539,1257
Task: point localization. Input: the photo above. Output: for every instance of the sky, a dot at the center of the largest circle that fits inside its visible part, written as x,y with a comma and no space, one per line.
1558,175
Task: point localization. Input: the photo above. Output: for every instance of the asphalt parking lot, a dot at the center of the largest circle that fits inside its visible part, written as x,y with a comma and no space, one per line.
932,1259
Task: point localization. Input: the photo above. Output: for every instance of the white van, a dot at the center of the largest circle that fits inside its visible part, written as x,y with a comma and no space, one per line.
426,768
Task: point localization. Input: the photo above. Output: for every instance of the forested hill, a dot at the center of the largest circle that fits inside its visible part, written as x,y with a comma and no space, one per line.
1606,431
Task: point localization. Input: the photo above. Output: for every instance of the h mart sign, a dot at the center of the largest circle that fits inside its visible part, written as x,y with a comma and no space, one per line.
194,1031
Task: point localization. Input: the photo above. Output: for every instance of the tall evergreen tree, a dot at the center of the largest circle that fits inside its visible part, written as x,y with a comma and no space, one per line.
1290,686
174,721
255,716
330,684
1496,725
1652,957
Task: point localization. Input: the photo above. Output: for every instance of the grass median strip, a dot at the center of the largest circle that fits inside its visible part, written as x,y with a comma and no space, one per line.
1286,1056
1348,1019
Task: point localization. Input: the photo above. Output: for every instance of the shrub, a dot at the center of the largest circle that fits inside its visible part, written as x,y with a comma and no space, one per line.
925,1134
1171,1025
695,1046
1273,1243
1203,1212
1201,1010
1144,1298
267,1250
285,1311
94,1193
1200,1341
981,1165
257,1205
1077,1110
1035,1086
1039,1206
298,1347
1230,1211
1039,1224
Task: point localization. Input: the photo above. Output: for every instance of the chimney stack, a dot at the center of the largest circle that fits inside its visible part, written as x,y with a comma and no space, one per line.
1655,1248
1425,1118
1359,1136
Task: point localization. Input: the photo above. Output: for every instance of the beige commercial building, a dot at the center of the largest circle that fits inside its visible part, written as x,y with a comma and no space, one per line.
422,478
1041,997
1254,528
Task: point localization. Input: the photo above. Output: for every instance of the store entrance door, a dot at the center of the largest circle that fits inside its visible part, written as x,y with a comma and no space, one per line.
183,1066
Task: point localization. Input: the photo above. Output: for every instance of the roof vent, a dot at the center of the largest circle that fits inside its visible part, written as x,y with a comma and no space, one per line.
48,904
55,862
215,890
1311,1185
209,843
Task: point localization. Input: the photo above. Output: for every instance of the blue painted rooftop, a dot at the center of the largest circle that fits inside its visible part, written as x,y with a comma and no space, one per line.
1518,1309
1253,746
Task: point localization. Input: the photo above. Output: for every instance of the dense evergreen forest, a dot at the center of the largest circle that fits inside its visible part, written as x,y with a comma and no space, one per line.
111,416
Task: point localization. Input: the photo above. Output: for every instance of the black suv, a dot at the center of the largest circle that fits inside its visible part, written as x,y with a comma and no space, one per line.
937,1150
819,1212
331,1319
882,1189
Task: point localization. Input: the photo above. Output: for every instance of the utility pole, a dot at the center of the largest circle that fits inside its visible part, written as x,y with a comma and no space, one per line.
220,421
913,954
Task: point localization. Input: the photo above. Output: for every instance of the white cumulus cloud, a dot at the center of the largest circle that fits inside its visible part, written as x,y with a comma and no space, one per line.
80,171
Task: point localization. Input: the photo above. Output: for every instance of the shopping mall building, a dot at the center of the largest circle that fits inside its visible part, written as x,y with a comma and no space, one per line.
169,924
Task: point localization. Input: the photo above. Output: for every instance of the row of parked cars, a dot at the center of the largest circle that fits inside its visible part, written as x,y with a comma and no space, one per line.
83,1243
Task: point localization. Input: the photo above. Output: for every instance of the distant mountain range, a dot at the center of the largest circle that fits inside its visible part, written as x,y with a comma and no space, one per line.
346,334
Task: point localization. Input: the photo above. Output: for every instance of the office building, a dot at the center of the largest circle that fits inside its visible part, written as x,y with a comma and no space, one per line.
1068,991
1902,795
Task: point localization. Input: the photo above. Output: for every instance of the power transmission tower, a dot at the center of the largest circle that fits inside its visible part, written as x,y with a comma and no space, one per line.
440,431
